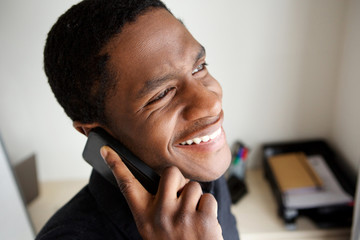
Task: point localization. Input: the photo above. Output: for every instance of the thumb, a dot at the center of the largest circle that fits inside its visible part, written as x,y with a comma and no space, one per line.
130,187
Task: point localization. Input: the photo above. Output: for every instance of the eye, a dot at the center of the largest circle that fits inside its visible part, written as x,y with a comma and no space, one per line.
199,68
161,95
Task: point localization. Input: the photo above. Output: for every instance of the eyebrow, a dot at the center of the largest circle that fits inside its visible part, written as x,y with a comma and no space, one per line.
156,82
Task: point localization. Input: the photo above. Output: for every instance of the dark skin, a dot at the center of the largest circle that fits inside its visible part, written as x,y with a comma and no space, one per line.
165,97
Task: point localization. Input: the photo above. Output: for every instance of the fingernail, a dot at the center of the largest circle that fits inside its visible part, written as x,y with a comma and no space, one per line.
103,152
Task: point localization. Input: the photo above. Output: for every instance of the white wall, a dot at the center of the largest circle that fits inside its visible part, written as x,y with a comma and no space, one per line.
278,62
30,118
346,119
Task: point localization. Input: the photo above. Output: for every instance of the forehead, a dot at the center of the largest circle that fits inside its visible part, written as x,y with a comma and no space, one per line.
155,43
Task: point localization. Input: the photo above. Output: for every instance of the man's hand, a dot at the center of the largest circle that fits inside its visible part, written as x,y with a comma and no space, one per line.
179,210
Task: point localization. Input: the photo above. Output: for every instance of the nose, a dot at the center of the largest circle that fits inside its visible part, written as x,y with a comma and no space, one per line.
202,101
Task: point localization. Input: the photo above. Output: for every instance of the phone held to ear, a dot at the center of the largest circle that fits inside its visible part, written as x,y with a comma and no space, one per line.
143,173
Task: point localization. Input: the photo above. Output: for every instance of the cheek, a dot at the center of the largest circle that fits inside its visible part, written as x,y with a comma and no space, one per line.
161,125
215,87
152,141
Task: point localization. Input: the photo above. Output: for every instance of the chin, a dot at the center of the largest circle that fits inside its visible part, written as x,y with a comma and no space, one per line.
217,168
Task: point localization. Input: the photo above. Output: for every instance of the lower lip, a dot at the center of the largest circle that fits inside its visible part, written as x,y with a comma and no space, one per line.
210,146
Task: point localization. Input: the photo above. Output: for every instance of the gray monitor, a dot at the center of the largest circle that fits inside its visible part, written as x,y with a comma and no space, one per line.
15,223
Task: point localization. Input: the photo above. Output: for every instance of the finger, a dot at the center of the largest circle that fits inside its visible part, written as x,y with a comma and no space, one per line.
208,205
171,182
135,194
190,196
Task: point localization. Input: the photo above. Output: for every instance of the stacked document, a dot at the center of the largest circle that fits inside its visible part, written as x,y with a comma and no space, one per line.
293,173
307,181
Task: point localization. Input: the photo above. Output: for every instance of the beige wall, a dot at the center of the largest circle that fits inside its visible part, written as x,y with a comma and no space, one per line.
346,118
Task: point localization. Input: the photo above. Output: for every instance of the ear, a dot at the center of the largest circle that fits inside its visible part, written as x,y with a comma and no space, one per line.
85,128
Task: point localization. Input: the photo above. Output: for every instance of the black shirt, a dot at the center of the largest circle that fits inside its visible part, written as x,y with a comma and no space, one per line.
100,211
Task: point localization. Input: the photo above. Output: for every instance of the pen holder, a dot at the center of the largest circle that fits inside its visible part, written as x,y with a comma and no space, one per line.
237,171
237,188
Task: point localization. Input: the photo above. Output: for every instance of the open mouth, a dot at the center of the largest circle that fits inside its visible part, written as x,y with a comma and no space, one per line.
203,139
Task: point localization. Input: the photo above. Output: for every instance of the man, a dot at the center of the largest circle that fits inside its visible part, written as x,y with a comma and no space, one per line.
133,69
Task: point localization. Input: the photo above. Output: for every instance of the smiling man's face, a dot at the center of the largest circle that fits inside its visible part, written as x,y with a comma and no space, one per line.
166,99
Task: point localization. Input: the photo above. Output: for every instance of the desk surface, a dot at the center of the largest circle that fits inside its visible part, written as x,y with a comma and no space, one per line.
256,212
52,196
257,218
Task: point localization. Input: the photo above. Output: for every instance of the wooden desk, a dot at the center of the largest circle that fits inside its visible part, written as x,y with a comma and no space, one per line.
52,196
257,218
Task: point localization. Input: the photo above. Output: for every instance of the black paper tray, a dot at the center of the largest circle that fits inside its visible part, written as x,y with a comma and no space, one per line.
324,217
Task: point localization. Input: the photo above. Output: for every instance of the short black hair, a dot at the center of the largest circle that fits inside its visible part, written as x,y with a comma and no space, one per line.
77,73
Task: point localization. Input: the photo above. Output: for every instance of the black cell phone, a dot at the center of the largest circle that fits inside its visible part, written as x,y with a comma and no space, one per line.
98,138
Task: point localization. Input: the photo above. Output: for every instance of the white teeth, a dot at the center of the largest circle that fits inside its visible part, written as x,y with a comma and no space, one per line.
215,134
197,140
205,138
